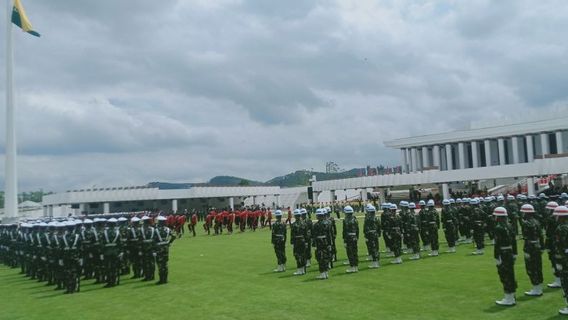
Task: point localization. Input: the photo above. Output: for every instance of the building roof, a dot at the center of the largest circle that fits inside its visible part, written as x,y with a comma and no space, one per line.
494,132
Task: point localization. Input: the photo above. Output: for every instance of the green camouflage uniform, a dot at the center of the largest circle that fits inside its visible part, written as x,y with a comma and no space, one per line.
321,240
505,251
298,240
163,238
278,240
372,231
561,244
534,242
449,223
350,238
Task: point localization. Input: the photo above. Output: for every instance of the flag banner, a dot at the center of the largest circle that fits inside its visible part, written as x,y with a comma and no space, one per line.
20,18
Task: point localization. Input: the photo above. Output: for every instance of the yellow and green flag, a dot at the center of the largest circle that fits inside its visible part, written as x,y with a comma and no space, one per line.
20,18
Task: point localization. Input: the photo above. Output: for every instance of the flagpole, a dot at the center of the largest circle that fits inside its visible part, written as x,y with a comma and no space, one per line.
11,186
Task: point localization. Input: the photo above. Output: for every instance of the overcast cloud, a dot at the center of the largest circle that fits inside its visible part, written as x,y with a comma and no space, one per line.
127,92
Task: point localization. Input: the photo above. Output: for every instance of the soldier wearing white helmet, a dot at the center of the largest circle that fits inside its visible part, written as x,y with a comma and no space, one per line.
449,223
134,247
99,267
487,206
372,232
331,220
513,213
414,232
433,220
479,220
148,255
533,244
405,218
386,221
298,240
278,241
309,228
350,238
561,245
505,253
424,226
112,248
322,241
396,235
550,225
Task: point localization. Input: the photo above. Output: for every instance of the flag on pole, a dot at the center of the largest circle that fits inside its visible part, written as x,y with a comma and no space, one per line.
20,18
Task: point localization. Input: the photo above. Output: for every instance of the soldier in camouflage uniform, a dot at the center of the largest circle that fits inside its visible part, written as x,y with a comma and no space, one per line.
71,242
124,260
88,239
396,235
449,222
163,238
414,232
534,242
550,224
561,245
112,250
372,232
148,259
505,253
350,238
487,208
424,226
333,234
309,227
479,219
58,253
321,237
405,219
386,223
97,250
134,247
513,212
278,240
433,225
298,240
464,217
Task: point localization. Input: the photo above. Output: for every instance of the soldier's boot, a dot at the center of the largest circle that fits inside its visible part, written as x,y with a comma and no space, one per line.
434,253
327,275
350,270
283,267
508,300
308,263
536,291
397,260
299,272
322,276
374,265
477,252
278,268
564,311
368,258
468,240
345,263
415,256
555,284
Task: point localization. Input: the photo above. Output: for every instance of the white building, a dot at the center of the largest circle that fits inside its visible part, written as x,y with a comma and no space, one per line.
523,150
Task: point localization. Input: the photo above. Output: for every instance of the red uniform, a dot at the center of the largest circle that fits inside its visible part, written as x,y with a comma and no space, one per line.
269,219
193,223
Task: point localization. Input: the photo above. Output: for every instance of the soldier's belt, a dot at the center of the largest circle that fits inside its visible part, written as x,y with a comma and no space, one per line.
565,250
86,242
321,237
478,221
279,235
372,231
163,243
299,237
110,245
147,241
506,248
533,241
351,234
449,220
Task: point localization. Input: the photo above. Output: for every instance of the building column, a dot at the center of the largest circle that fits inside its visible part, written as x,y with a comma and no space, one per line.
45,211
50,211
404,160
414,158
174,205
277,201
436,157
232,203
408,160
445,191
106,207
559,142
487,145
530,186
82,208
474,155
253,200
544,144
332,196
425,158
501,147
530,148
449,162
316,196
515,143
461,154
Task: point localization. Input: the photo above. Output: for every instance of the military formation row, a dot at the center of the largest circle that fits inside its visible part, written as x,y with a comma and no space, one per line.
61,252
542,224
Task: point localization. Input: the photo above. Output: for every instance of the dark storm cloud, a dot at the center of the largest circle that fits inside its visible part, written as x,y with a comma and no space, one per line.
126,92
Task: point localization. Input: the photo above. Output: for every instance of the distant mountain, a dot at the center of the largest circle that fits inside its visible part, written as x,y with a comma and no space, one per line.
294,179
302,177
232,181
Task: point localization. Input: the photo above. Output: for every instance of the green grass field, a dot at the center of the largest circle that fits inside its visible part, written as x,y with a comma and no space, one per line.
230,277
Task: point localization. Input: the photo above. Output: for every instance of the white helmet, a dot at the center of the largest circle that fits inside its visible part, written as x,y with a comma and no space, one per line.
348,209
370,208
430,203
561,211
500,212
278,213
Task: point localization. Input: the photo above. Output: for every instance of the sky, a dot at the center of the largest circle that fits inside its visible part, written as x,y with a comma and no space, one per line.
126,92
